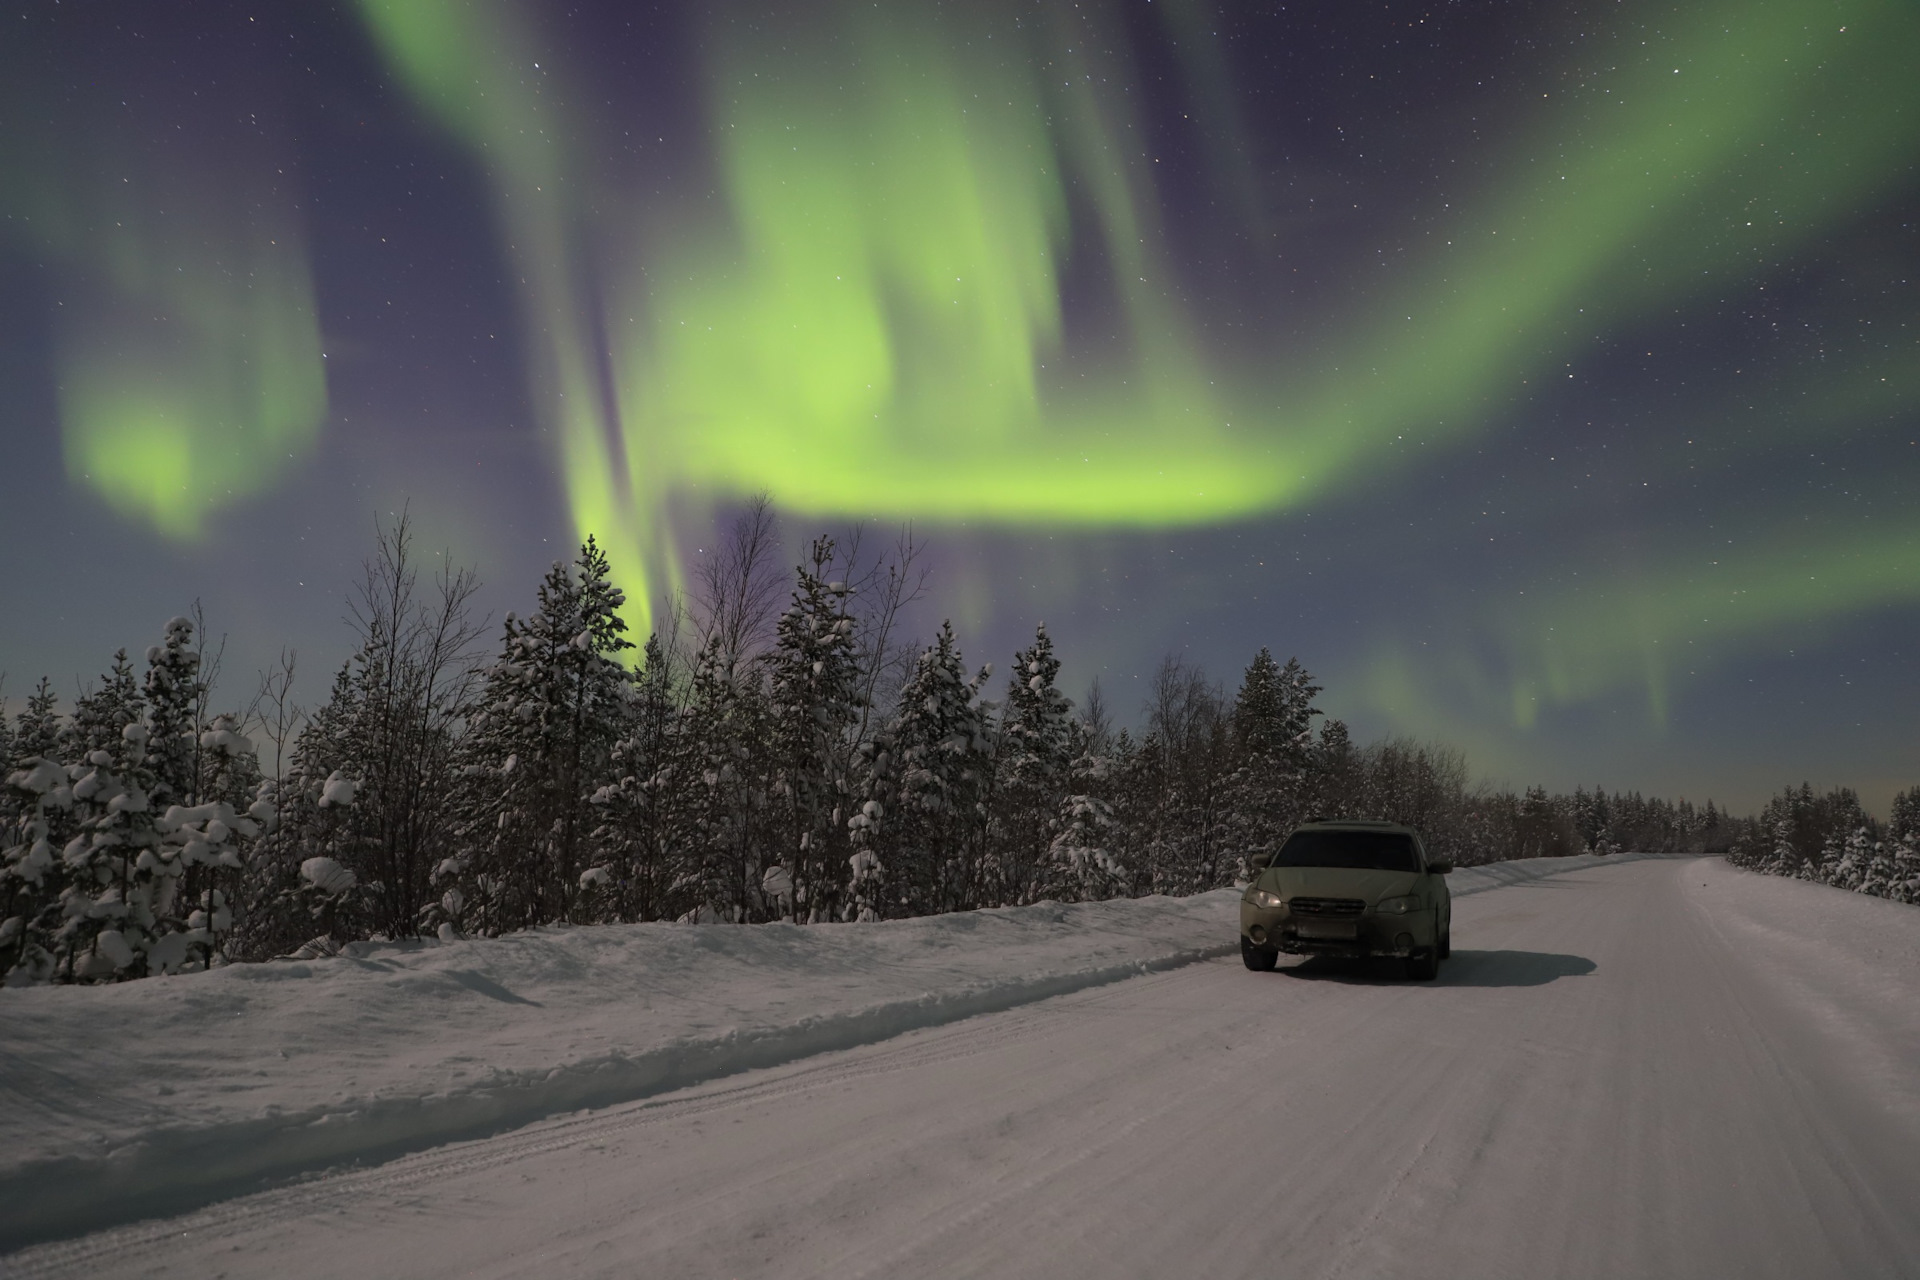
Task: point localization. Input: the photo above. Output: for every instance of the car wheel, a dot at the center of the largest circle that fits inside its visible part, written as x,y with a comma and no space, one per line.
1423,966
1258,959
1446,941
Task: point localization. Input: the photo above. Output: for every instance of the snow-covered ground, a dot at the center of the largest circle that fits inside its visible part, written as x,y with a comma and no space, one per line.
1660,1067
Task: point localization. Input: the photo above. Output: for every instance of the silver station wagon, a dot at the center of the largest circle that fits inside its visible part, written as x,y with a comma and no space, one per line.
1349,888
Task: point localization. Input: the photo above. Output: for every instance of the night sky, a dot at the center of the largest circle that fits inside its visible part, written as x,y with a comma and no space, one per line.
1546,377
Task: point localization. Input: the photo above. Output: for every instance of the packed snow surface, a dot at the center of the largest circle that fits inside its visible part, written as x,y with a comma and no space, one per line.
1660,1067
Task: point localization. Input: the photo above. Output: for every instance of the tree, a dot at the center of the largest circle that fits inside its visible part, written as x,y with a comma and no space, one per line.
739,587
1338,779
36,733
1036,757
633,877
122,877
1177,785
100,714
1084,861
1903,819
920,832
721,799
36,797
541,748
1272,742
1425,786
814,679
387,736
173,691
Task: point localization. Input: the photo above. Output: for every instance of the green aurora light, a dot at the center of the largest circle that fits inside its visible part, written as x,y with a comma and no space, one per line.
466,62
188,348
876,327
869,317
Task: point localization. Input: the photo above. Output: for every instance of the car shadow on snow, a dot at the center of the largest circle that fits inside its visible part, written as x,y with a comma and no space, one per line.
1463,969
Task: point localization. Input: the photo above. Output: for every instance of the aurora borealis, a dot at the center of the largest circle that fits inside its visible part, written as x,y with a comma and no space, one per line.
1546,377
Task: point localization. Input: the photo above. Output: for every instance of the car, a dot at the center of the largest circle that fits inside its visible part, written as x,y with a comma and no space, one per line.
1349,888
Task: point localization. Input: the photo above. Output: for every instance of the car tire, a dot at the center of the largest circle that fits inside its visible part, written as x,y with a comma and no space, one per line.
1446,941
1423,966
1258,959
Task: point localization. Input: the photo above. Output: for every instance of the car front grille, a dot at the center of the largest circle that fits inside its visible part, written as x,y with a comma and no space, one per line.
1337,908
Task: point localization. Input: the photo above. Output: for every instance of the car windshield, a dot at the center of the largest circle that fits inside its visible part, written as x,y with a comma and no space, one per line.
1358,850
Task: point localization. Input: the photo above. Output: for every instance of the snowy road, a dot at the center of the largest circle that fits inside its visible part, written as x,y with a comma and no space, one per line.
1659,1068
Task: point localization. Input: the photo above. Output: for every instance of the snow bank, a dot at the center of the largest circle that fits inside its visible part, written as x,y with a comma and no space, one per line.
148,1097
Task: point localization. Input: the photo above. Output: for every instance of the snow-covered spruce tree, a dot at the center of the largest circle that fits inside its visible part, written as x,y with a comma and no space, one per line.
214,836
172,694
1272,733
1588,812
1800,833
36,821
1903,816
1083,862
42,816
1899,860
199,845
121,876
922,828
1854,863
1037,750
1849,841
103,711
145,836
539,749
1903,880
721,796
36,731
1878,876
632,872
36,801
814,688
32,877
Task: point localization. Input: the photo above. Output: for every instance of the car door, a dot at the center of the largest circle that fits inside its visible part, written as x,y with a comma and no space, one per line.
1433,890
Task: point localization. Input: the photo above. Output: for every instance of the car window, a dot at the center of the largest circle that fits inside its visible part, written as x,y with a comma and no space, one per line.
1357,850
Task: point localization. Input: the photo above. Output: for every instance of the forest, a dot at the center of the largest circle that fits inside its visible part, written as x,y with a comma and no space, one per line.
775,750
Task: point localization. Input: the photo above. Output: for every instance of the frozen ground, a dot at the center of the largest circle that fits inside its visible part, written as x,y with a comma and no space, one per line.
1654,1068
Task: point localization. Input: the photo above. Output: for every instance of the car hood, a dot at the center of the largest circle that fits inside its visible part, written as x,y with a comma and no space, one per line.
1337,882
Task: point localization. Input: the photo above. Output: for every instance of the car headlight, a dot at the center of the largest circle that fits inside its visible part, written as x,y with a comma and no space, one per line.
1261,898
1396,906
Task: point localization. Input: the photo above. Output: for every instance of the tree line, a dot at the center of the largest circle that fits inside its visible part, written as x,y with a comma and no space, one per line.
1829,839
774,751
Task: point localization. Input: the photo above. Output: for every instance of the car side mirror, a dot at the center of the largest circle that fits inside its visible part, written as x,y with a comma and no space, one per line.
1441,868
1260,861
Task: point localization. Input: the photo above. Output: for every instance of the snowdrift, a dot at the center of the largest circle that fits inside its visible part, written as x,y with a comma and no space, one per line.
150,1097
